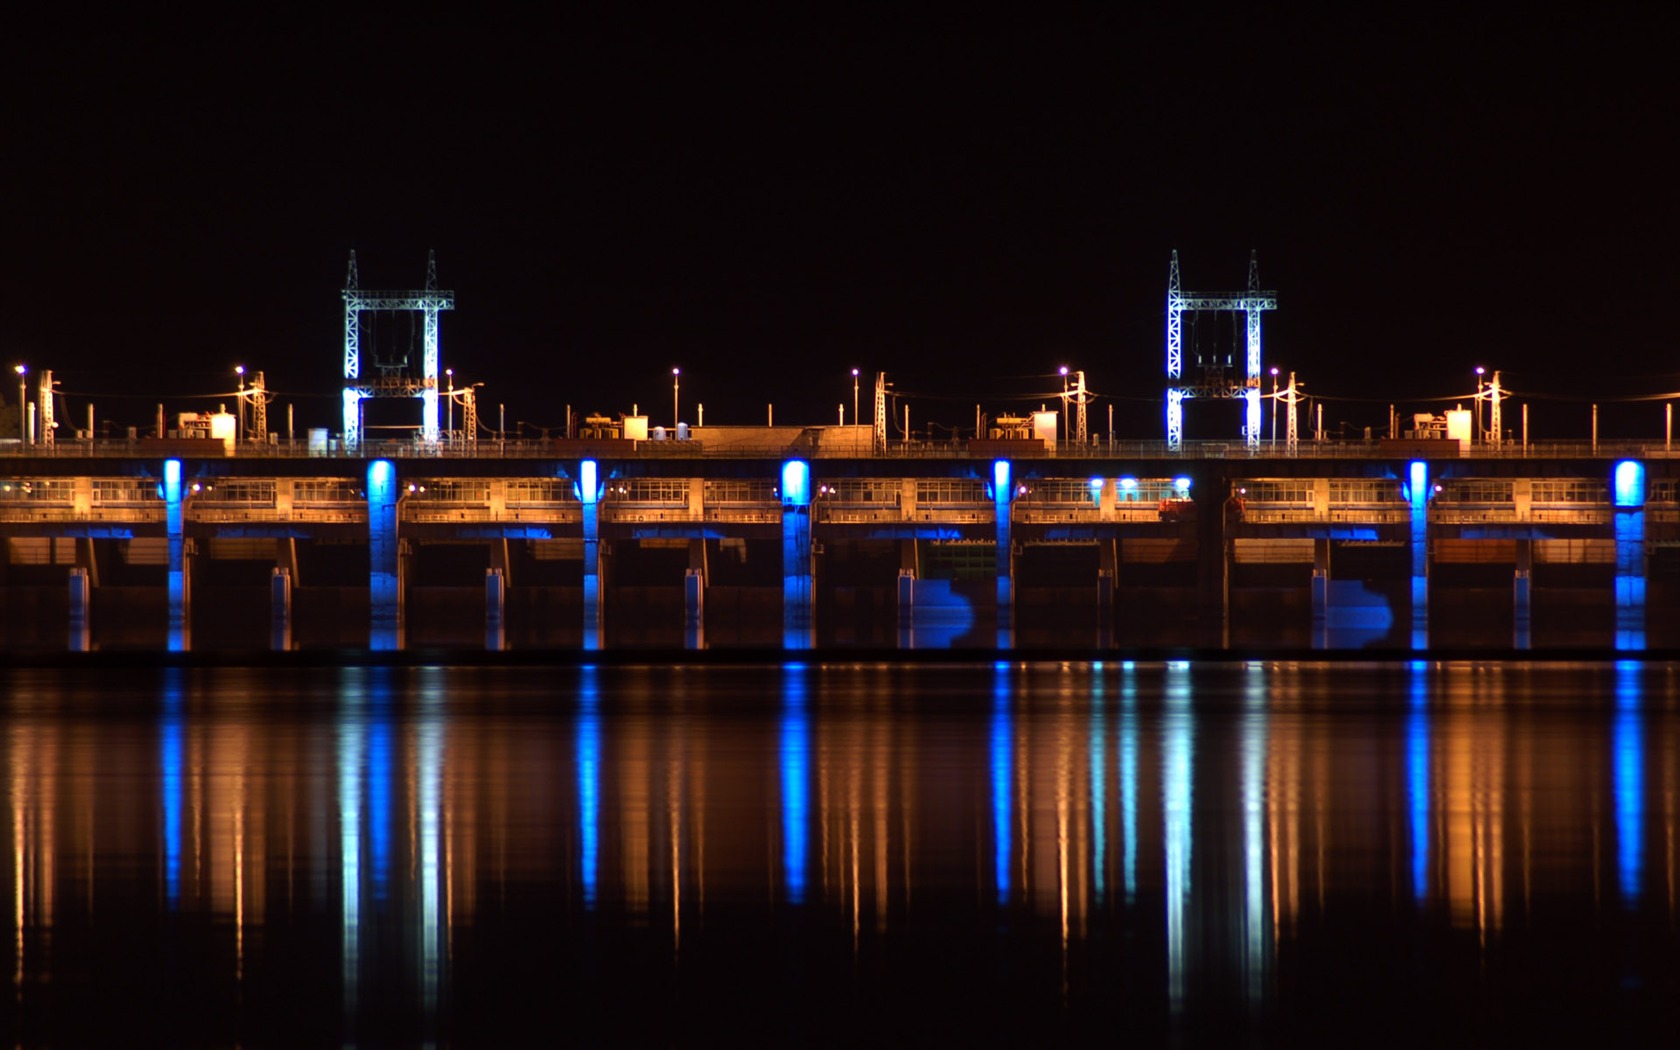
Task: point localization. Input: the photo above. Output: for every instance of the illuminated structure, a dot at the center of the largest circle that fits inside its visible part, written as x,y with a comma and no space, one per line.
395,378
1214,382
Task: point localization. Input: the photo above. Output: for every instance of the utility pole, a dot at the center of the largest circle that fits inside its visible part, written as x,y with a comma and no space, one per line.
1290,436
1495,423
1079,407
259,409
46,407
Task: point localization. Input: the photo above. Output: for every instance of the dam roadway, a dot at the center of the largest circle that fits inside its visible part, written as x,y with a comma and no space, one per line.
799,536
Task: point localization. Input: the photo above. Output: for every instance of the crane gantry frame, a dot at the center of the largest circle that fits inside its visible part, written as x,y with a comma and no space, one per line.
426,302
1251,303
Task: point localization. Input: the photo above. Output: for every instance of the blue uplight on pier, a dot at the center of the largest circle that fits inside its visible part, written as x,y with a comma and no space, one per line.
1630,483
589,484
796,483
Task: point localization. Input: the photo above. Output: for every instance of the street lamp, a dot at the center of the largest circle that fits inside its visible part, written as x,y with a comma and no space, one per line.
23,403
1274,405
675,372
1479,372
239,370
855,419
449,424
1064,403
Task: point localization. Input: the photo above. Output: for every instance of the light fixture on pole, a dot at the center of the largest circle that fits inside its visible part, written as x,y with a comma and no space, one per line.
1064,404
1274,404
239,370
675,372
1479,373
855,419
449,423
23,403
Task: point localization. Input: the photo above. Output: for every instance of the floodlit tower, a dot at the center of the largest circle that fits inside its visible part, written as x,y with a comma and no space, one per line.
257,394
880,413
1291,437
469,413
427,303
1496,425
1251,303
1079,402
45,410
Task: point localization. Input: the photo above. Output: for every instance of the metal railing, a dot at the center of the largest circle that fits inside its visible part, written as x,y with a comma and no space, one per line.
531,448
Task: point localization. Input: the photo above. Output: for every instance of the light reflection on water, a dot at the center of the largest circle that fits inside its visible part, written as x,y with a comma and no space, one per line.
1181,840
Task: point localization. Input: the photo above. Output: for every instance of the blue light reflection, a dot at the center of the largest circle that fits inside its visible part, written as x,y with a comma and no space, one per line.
1417,778
170,753
1627,746
589,780
796,773
1003,742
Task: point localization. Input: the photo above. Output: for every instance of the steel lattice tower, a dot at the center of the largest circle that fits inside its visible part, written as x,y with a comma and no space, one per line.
1251,303
427,302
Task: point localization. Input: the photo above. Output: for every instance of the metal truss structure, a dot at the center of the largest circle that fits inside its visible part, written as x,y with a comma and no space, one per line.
44,409
880,413
426,302
1251,303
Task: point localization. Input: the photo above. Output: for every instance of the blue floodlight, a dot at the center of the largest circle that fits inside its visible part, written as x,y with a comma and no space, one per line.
588,485
796,483
1630,483
1419,474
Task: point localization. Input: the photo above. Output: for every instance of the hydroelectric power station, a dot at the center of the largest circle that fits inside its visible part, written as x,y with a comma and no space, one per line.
1028,533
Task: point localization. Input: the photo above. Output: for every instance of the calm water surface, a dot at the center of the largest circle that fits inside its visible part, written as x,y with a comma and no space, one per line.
847,854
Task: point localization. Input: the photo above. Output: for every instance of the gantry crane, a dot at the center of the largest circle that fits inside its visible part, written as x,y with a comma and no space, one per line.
1251,303
427,302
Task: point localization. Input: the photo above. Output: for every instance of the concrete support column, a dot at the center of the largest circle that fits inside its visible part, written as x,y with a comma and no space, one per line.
80,595
694,608
797,589
906,605
1628,494
1522,585
589,494
87,558
1418,492
1320,584
280,608
495,596
1108,576
1003,502
285,556
80,598
495,599
694,589
1213,557
384,554
1106,500
180,590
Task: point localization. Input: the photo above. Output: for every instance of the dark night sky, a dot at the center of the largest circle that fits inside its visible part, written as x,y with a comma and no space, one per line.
768,204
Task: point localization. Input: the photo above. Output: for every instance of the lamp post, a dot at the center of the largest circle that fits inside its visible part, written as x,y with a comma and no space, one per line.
1479,372
1274,406
239,370
449,423
675,372
1064,404
23,403
855,419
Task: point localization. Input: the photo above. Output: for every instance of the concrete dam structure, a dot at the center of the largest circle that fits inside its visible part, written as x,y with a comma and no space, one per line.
791,539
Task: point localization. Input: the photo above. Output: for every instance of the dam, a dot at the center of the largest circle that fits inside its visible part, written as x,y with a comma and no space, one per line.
784,536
